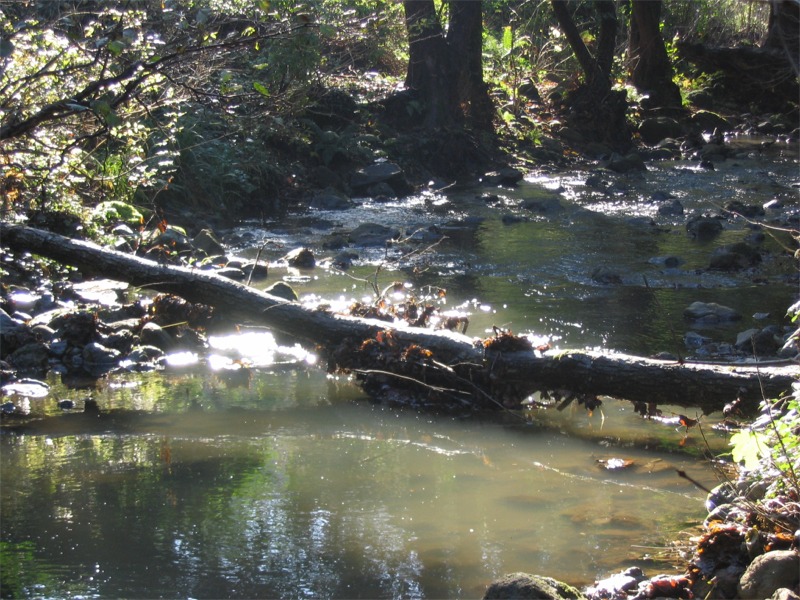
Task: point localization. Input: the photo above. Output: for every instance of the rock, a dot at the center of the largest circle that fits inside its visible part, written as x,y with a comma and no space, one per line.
230,273
523,586
98,359
694,340
528,89
734,257
31,358
784,594
705,120
710,312
256,270
769,573
761,342
507,176
301,258
543,206
144,354
617,585
626,164
381,192
173,239
606,276
655,129
380,172
153,334
330,199
282,290
704,227
751,211
372,234
672,208
700,99
208,243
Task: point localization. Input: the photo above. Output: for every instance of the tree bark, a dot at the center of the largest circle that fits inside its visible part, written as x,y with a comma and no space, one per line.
651,70
465,44
447,70
595,79
437,363
429,70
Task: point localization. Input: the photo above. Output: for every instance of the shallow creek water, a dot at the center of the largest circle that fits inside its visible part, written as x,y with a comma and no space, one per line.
195,482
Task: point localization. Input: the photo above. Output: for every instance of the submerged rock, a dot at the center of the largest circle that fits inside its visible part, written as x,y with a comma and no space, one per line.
523,586
710,312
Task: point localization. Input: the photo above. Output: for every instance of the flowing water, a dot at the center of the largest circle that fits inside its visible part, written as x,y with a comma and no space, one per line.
279,481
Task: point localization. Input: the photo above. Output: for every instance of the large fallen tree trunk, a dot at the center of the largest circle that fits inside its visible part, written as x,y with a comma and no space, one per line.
442,366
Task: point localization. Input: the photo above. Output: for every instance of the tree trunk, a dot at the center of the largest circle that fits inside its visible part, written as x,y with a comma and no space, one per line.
594,77
429,70
442,366
651,71
447,71
783,30
594,109
465,44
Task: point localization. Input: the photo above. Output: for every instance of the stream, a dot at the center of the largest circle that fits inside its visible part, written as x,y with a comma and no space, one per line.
206,481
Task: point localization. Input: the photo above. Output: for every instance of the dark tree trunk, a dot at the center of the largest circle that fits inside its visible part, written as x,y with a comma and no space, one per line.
651,71
465,43
594,77
594,109
446,72
478,375
429,69
783,31
607,40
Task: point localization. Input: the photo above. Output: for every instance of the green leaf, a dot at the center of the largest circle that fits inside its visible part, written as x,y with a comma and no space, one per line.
508,38
749,446
260,88
115,47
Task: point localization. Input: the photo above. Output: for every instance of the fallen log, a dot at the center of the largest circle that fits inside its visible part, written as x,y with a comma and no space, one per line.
439,366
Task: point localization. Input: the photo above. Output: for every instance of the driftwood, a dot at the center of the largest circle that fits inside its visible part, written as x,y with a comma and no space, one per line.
439,366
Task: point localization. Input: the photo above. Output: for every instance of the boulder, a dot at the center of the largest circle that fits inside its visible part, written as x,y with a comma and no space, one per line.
704,227
372,234
98,359
507,176
153,334
31,358
769,573
330,199
282,290
380,172
710,312
705,120
626,164
208,243
655,129
523,586
301,258
734,257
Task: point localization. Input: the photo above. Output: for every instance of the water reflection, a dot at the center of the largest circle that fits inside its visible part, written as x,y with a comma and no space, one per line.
327,499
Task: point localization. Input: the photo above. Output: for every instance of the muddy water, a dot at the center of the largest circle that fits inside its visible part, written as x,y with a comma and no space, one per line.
195,482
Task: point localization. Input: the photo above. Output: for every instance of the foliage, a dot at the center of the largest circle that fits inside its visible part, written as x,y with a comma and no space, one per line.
771,446
94,104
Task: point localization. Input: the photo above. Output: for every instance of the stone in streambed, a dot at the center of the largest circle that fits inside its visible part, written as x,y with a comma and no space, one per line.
523,586
769,573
